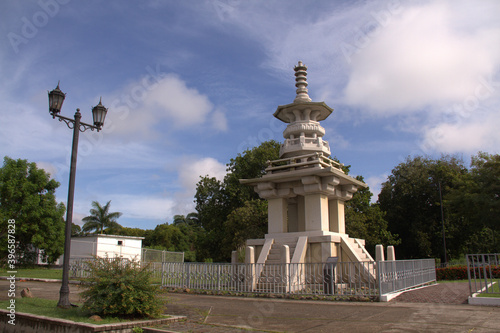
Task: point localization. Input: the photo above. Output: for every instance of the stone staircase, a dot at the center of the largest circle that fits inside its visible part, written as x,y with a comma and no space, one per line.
359,251
273,277
274,256
353,250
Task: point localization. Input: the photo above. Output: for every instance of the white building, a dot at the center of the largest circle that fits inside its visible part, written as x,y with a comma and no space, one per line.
84,247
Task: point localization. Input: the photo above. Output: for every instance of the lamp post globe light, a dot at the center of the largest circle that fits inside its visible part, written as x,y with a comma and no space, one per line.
56,99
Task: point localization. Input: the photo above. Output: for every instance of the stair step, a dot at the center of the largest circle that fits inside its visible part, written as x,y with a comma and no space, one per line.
272,261
273,257
285,243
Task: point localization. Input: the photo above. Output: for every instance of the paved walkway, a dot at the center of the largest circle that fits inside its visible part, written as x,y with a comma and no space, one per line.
441,293
234,314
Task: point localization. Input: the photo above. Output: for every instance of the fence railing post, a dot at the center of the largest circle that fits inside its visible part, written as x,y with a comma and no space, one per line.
468,273
218,276
485,272
163,274
379,278
187,275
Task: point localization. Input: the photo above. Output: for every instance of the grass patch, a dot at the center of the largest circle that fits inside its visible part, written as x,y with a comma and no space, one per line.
493,290
497,295
40,273
48,308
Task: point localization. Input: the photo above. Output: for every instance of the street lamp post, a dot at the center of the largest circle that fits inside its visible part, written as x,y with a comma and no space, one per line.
56,99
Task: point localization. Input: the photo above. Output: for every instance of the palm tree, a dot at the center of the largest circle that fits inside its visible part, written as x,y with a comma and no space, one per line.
190,219
100,218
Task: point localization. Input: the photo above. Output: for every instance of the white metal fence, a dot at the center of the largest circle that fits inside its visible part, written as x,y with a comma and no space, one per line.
404,274
341,279
152,255
484,273
368,278
79,268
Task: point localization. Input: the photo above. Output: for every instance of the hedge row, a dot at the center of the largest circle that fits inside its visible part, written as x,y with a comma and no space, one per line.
460,273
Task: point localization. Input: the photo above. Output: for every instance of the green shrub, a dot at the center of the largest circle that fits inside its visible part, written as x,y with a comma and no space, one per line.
460,273
120,288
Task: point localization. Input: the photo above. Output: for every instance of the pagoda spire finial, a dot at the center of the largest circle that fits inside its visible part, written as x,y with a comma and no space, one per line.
301,83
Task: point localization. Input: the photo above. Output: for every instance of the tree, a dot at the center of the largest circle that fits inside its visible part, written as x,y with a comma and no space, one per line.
176,238
100,219
475,202
366,220
251,164
76,230
411,200
189,219
212,205
168,237
27,196
216,200
135,232
485,171
247,222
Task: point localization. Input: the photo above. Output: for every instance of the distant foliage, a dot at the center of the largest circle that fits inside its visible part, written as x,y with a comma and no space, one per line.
460,273
179,237
452,273
120,288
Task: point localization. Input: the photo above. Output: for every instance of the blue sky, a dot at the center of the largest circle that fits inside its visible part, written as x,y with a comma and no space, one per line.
190,84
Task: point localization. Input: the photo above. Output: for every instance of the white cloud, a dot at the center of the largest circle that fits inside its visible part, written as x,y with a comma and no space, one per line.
422,57
165,98
137,207
189,172
174,100
145,207
471,136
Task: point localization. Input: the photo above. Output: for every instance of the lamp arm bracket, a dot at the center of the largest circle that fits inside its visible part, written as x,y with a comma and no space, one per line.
71,123
84,127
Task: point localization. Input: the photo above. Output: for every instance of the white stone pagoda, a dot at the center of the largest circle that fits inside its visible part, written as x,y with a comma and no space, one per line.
306,191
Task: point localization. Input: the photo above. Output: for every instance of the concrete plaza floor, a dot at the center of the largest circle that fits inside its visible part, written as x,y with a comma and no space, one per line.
237,314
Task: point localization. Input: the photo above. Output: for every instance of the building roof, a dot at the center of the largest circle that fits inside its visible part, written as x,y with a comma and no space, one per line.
108,236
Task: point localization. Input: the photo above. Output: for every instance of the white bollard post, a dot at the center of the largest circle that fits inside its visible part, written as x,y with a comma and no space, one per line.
379,252
250,263
391,256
